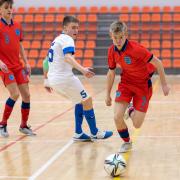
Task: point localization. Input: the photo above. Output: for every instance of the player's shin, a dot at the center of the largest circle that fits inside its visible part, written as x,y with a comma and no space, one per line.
7,110
25,108
78,118
91,120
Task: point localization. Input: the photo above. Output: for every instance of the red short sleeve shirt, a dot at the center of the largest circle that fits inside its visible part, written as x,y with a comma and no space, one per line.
133,59
10,37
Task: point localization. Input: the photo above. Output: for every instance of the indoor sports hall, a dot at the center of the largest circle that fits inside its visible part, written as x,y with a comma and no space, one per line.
52,154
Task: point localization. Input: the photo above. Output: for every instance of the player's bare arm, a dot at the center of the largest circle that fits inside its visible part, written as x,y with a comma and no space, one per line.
24,57
160,69
110,82
45,71
69,58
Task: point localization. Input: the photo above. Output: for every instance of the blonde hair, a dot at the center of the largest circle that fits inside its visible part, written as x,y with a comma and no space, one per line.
118,27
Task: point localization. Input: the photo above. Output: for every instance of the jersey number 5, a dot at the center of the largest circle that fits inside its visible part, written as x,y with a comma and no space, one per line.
83,94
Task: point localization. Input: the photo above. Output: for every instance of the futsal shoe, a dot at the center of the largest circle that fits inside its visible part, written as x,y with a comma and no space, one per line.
125,147
3,131
27,131
81,137
102,135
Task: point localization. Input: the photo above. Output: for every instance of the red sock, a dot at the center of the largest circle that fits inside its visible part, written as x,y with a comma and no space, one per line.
124,134
7,111
25,108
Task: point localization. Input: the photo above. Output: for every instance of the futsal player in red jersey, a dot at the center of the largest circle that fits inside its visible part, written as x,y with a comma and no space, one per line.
137,63
12,72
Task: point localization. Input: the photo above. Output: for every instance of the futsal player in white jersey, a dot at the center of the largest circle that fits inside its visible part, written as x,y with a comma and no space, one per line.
60,78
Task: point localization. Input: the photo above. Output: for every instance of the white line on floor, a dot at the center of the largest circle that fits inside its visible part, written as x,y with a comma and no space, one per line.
50,161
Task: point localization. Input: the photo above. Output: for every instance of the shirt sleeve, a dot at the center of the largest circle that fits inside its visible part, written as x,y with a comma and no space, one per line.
68,45
111,60
144,54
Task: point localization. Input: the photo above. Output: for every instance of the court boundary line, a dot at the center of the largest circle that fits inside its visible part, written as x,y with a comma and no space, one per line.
50,161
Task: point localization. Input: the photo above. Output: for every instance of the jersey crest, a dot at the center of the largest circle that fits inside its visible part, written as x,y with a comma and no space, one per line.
17,32
127,59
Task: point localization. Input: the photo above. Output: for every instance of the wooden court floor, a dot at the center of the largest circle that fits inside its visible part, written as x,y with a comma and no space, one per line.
52,155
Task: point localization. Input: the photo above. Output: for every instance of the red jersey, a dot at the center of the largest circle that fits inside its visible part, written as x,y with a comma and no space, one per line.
10,37
133,59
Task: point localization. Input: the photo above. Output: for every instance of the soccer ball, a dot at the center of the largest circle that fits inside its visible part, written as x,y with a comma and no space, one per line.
115,165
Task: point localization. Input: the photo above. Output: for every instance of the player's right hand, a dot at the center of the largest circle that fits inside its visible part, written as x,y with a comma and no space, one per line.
47,86
3,67
165,89
88,73
108,101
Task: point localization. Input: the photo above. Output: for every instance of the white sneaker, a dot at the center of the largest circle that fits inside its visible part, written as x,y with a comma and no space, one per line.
102,135
125,147
3,131
27,131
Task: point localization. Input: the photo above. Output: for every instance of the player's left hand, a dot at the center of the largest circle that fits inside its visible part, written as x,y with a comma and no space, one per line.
88,72
108,101
27,69
165,89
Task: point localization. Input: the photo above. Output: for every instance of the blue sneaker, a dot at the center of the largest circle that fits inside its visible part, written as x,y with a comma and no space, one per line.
81,137
102,135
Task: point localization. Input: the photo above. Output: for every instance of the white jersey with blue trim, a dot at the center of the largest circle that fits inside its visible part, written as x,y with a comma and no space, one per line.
58,68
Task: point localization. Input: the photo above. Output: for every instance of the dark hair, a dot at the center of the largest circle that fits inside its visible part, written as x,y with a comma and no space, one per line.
70,19
6,1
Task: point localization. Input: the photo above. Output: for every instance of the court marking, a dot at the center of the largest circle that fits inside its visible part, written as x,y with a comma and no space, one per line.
50,161
114,136
39,127
13,177
135,135
95,102
39,171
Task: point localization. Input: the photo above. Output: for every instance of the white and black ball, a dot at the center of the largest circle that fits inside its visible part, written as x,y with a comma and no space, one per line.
115,165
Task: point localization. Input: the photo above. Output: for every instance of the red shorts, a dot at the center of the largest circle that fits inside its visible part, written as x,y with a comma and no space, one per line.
140,94
14,76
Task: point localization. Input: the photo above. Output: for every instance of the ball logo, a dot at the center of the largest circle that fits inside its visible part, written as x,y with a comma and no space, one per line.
127,59
11,77
17,32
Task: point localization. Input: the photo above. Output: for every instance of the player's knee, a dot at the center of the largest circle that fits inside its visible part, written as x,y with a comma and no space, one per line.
118,117
15,95
87,104
137,124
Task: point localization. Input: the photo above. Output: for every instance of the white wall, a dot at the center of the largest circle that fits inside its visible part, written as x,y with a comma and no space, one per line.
67,3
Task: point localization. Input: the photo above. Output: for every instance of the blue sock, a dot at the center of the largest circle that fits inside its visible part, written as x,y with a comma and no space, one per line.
78,118
91,120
